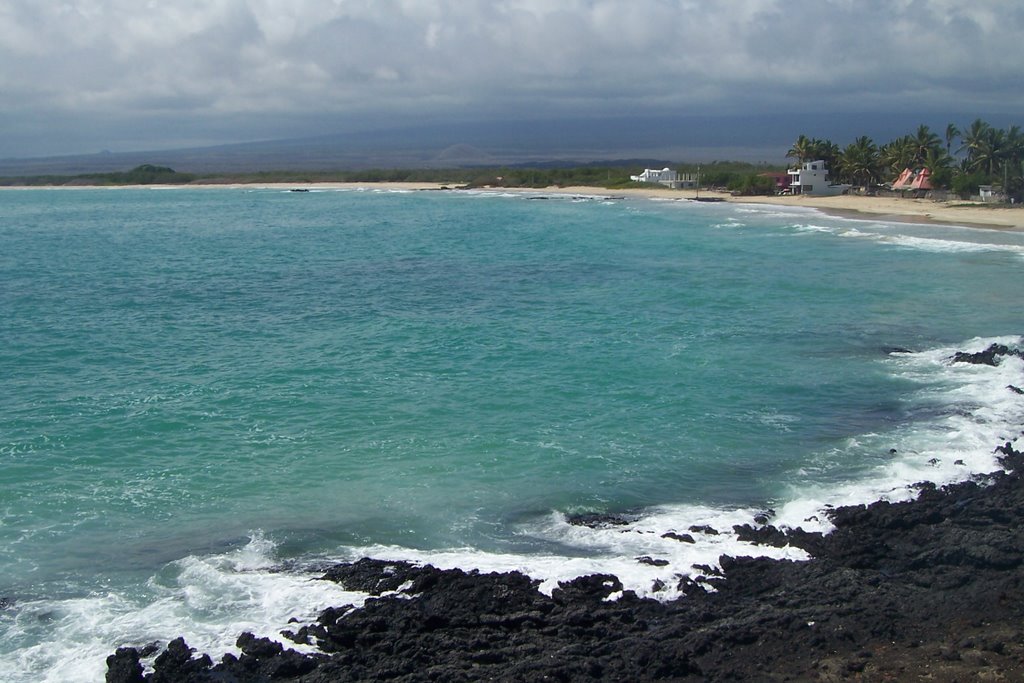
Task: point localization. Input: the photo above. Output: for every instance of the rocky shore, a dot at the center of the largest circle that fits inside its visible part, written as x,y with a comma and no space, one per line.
931,589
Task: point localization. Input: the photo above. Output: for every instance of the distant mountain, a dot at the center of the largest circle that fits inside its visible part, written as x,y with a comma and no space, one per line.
453,144
463,155
744,137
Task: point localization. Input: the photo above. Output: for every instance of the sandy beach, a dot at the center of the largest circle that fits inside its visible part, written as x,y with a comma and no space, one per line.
968,214
850,206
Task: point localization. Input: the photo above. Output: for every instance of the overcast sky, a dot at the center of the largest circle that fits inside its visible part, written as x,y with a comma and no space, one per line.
85,75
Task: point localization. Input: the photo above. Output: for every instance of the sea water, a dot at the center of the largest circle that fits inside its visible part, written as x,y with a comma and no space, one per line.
206,395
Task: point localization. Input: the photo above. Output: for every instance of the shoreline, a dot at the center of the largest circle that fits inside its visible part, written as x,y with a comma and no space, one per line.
289,202
924,589
929,589
894,209
898,209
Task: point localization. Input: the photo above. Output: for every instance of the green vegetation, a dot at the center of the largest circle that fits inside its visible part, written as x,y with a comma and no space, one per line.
146,174
743,177
986,156
752,184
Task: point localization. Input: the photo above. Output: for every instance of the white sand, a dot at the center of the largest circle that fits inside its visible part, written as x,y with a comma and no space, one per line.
895,208
892,208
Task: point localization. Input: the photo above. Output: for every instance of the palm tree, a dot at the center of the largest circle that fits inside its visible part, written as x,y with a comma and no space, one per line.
924,140
1014,142
811,149
936,160
859,162
974,138
898,154
829,152
940,167
802,150
952,132
1013,156
988,155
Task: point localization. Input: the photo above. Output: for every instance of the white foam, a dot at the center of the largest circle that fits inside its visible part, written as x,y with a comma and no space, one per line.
208,600
892,234
773,211
938,245
973,410
814,228
648,580
641,553
731,222
854,232
211,600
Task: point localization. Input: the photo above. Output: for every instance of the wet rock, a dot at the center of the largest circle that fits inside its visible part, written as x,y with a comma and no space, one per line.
176,665
764,517
124,666
149,649
989,356
259,648
682,538
593,588
898,591
598,520
765,535
374,576
707,569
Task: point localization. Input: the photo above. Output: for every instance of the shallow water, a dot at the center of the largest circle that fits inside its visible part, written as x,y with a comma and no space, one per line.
207,392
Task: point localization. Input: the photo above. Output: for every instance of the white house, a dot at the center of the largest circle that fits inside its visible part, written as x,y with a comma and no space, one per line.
812,178
665,176
992,193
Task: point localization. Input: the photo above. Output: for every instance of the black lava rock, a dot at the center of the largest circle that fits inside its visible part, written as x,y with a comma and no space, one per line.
930,589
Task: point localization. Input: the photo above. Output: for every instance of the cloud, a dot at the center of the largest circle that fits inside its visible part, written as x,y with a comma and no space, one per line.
198,59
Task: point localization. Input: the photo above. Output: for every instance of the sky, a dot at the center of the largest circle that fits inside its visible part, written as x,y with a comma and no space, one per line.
81,76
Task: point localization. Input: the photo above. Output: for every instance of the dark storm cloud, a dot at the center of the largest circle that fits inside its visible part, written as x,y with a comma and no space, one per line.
82,64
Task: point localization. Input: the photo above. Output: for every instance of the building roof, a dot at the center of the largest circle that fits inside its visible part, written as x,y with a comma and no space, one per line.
913,180
904,180
922,181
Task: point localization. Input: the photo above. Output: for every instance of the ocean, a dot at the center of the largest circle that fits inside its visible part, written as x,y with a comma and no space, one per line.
209,394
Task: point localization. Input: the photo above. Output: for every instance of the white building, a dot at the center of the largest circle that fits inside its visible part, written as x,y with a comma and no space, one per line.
812,178
988,193
665,176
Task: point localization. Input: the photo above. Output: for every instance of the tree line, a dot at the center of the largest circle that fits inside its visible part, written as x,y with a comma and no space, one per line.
610,175
959,160
146,174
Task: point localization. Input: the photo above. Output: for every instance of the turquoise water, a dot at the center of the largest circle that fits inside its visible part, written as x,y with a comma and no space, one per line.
203,388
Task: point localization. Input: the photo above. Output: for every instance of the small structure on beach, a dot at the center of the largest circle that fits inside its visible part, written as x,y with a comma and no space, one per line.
812,179
665,176
919,180
688,181
991,193
781,179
